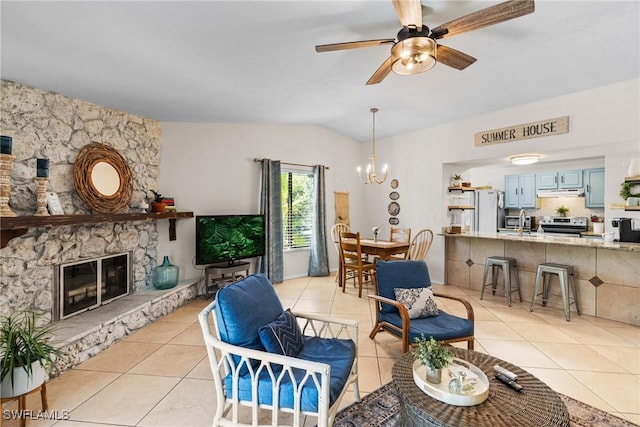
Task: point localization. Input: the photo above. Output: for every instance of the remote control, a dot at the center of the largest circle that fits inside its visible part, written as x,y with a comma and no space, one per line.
505,372
514,385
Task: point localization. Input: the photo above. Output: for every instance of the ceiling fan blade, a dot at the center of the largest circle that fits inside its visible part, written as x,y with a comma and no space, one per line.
382,72
409,12
352,45
483,18
453,58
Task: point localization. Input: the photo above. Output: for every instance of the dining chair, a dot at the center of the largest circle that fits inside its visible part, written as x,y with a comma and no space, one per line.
335,235
354,261
420,245
400,234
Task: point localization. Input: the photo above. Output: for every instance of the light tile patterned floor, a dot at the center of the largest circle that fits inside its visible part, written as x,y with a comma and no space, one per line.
160,376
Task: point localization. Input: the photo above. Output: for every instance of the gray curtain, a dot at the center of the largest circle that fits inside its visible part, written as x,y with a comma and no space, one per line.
319,259
271,207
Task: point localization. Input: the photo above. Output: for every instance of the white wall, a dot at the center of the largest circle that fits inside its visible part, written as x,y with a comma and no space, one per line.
208,168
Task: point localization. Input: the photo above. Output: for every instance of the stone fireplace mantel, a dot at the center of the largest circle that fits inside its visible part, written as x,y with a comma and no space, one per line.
11,227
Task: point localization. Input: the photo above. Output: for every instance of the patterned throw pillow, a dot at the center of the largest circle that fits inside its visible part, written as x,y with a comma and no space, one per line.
419,302
283,335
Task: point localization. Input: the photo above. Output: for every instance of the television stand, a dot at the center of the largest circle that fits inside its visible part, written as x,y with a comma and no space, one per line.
220,275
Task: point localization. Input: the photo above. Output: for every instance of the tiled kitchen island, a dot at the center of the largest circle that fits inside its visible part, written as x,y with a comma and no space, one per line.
607,273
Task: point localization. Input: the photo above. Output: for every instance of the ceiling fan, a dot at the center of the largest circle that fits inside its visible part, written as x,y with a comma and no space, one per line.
415,49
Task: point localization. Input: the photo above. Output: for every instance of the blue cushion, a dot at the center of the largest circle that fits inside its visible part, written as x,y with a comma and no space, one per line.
442,327
338,353
283,335
400,274
243,307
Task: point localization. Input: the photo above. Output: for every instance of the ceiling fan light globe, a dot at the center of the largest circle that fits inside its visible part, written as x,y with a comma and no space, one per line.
421,55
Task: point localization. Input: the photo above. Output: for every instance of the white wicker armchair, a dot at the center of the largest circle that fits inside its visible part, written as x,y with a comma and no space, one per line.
259,380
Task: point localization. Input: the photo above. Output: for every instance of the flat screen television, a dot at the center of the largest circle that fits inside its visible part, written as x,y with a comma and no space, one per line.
227,238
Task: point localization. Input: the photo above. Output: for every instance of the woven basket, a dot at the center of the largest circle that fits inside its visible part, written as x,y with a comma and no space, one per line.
88,157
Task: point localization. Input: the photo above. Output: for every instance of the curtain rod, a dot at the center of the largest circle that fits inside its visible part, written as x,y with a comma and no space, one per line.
291,164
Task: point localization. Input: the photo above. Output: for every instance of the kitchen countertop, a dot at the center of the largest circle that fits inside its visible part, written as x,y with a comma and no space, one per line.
559,240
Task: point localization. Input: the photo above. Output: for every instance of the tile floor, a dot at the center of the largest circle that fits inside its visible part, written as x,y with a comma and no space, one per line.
160,375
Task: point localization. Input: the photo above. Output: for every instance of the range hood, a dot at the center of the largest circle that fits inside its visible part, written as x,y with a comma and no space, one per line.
570,192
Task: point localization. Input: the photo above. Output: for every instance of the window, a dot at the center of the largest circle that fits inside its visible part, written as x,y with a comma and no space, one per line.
297,208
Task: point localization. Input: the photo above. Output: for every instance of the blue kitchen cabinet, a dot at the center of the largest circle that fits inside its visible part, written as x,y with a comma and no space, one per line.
594,188
520,191
559,180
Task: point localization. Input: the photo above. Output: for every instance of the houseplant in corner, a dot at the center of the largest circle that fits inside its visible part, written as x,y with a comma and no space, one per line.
26,351
434,356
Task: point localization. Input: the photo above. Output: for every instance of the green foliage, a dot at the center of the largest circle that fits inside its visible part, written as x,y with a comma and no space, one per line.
625,190
562,210
157,197
297,203
23,342
231,238
456,177
432,353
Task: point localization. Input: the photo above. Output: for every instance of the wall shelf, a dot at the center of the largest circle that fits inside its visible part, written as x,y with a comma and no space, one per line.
636,181
11,227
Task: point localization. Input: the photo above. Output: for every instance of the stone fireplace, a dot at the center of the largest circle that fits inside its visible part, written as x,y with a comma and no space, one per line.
49,125
88,284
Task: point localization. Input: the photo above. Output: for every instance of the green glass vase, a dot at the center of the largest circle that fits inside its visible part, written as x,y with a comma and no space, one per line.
165,276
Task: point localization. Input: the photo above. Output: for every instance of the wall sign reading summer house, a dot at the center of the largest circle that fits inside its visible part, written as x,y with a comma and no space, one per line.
524,131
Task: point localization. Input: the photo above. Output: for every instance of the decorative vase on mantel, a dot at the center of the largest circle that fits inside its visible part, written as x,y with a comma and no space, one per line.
165,276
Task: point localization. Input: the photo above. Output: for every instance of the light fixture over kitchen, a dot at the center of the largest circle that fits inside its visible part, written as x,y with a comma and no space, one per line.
371,176
525,159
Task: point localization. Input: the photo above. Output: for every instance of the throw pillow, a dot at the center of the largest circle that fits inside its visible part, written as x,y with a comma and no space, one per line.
283,335
419,302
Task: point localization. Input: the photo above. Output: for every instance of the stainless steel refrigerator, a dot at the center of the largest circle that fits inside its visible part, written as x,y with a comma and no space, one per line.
488,213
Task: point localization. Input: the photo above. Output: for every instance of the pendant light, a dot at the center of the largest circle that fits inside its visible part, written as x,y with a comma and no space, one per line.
371,176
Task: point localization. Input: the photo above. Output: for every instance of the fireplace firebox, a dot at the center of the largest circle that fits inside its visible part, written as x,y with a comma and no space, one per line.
87,284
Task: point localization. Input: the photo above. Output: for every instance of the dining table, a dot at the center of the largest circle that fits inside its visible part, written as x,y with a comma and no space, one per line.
381,249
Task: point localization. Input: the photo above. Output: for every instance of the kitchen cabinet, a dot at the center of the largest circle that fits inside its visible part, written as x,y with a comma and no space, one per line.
520,191
560,180
594,188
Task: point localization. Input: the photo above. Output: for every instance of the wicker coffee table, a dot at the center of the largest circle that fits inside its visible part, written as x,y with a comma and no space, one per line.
539,405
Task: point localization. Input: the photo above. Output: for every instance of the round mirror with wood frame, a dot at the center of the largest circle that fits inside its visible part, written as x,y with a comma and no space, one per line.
102,178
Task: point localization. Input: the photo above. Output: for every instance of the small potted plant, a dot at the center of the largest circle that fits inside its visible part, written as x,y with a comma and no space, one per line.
26,350
456,180
157,204
598,223
562,210
434,356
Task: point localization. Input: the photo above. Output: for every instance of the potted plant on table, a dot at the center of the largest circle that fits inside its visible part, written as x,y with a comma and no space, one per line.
157,204
26,350
456,180
434,356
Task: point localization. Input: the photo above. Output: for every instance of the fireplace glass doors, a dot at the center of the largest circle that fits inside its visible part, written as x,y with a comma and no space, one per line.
91,283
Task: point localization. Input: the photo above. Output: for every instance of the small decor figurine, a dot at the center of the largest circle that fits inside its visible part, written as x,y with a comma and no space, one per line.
434,356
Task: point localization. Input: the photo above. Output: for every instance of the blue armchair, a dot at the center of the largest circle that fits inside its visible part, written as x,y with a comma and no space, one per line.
394,317
263,357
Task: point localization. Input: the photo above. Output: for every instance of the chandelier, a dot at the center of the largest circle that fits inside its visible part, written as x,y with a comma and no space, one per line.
371,176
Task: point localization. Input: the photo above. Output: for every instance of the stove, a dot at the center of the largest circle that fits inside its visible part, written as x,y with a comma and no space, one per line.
564,225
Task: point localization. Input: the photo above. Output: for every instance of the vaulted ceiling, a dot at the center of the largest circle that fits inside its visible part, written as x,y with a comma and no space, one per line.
242,61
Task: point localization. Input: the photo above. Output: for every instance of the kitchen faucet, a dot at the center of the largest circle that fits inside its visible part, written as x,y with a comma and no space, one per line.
521,220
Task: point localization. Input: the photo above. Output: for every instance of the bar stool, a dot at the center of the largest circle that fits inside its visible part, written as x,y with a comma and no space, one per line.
565,273
507,265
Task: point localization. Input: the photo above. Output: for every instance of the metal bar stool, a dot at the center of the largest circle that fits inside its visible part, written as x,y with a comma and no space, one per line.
565,274
507,265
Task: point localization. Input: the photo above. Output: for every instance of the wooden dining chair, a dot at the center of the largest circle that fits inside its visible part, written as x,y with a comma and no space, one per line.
354,261
420,245
335,236
400,234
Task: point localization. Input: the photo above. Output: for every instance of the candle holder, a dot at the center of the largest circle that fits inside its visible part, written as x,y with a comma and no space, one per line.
6,163
42,197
